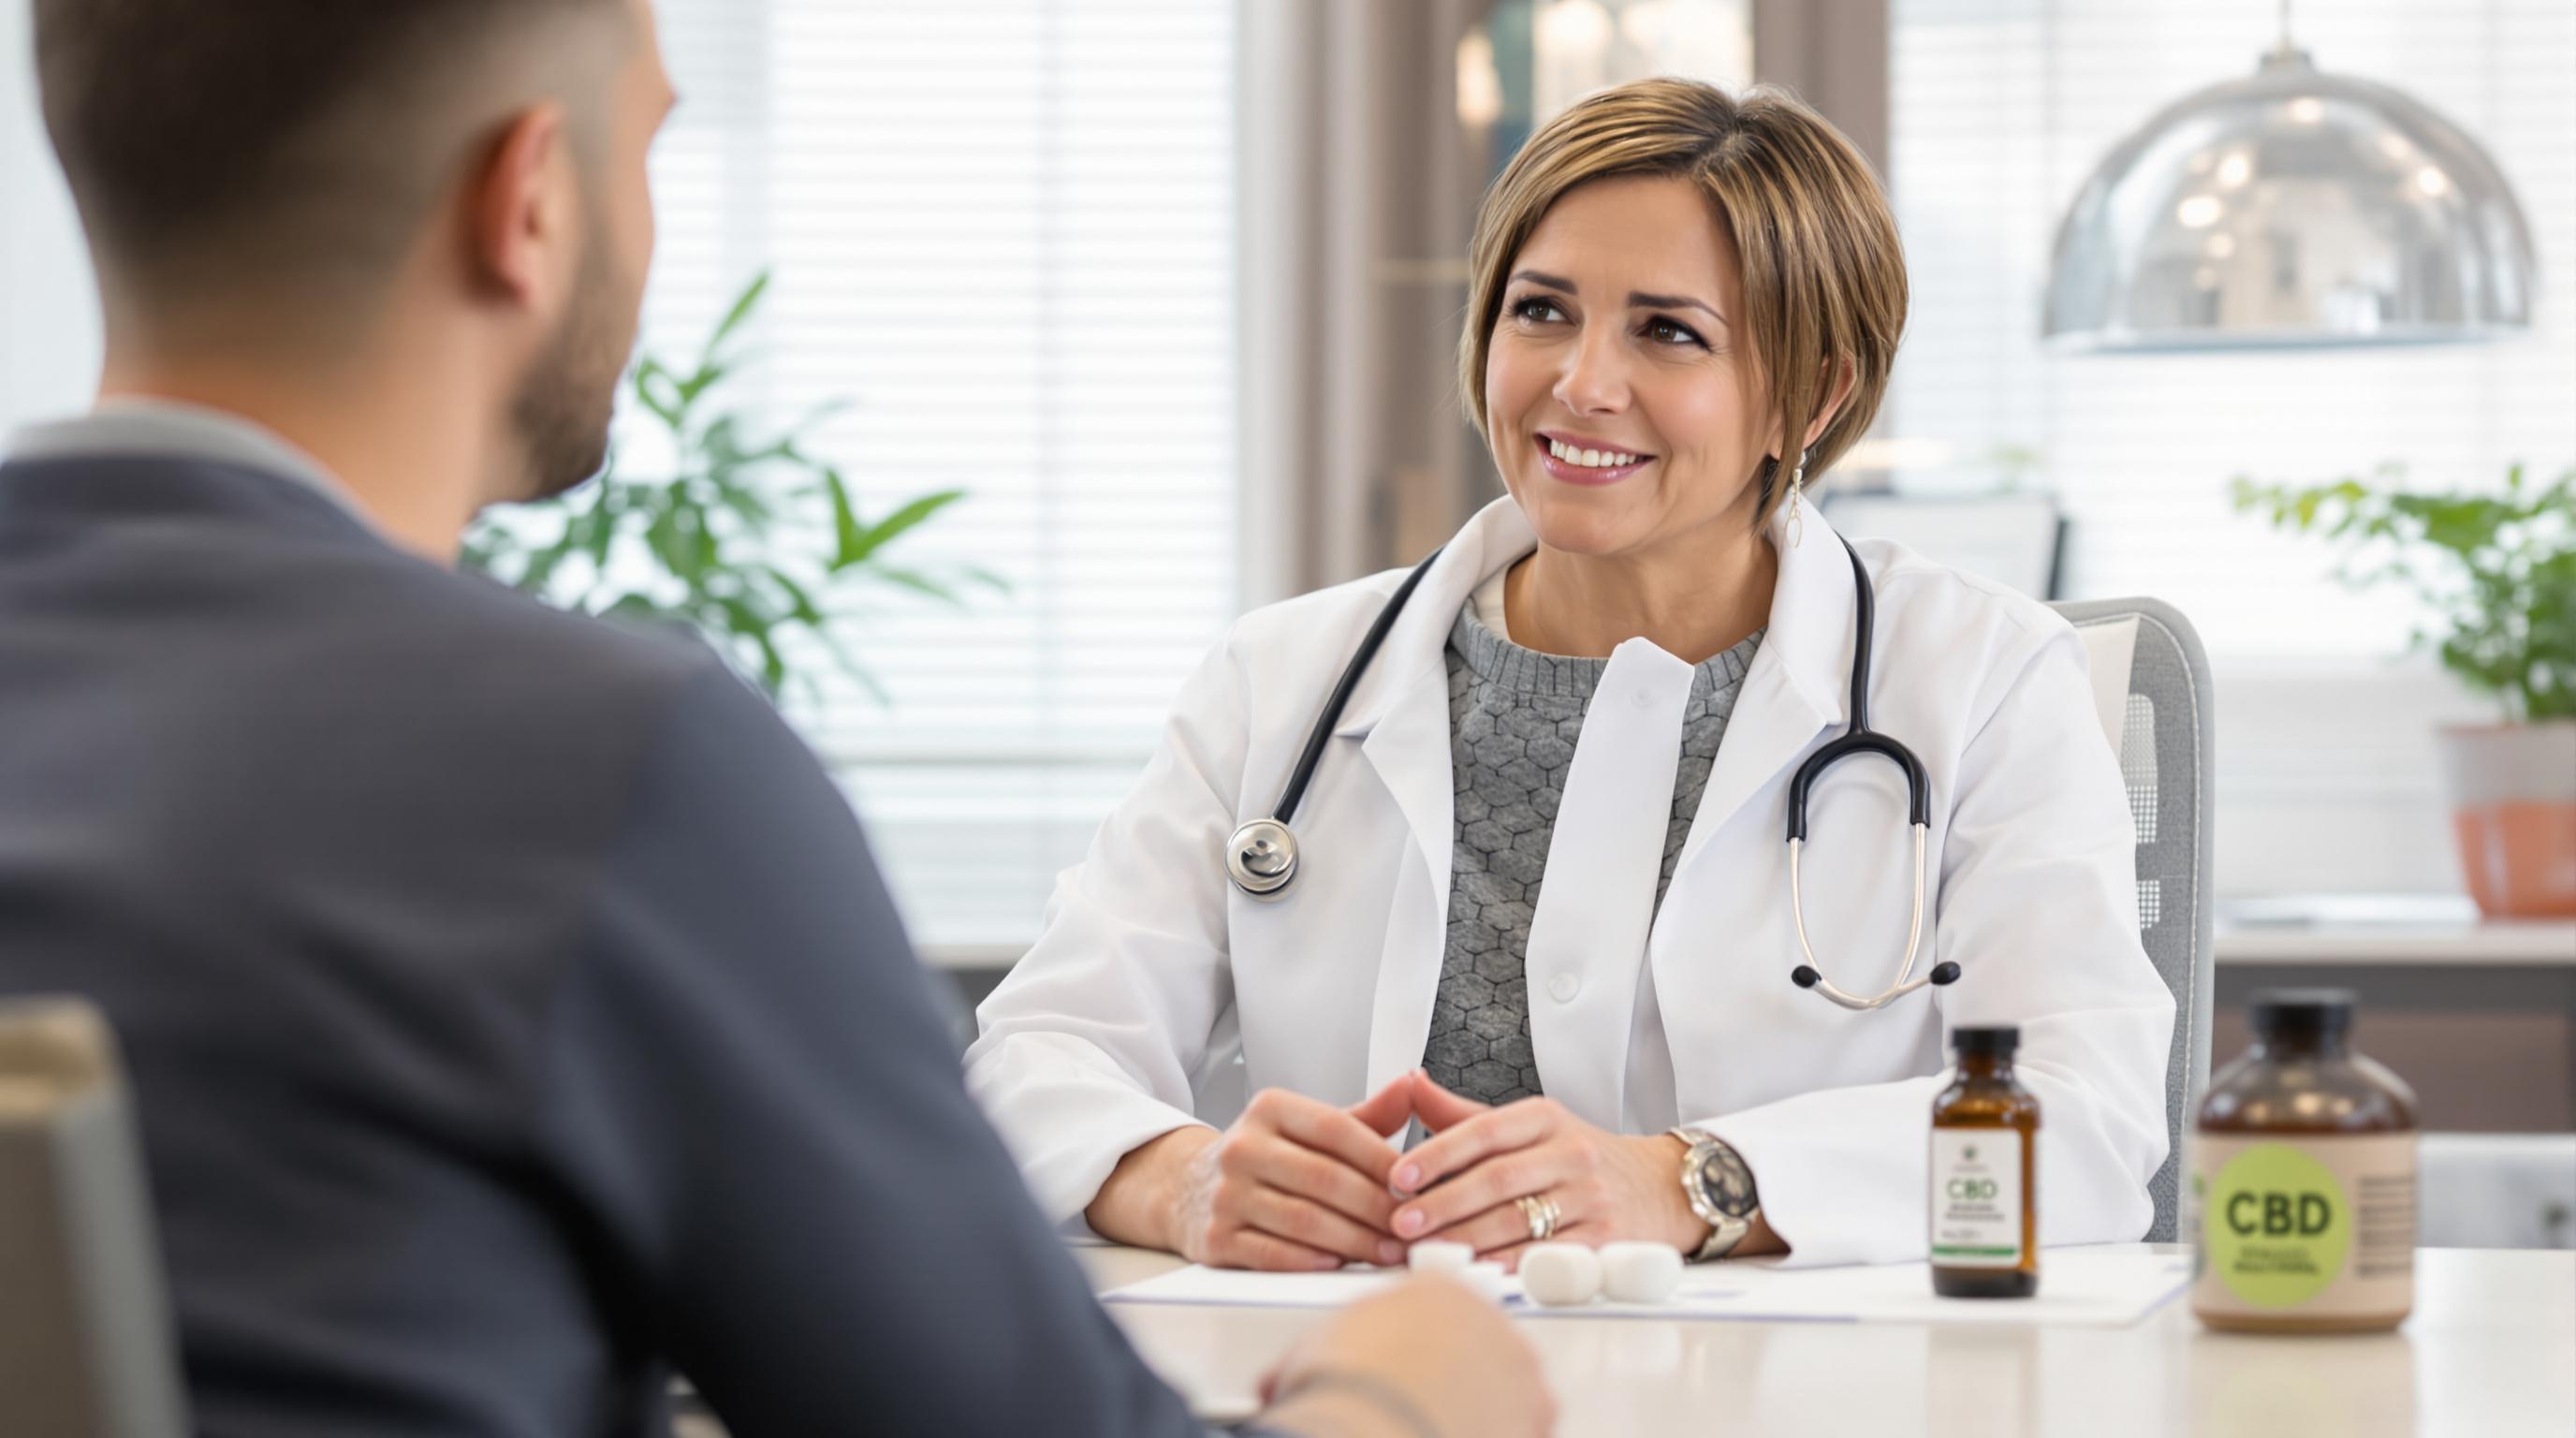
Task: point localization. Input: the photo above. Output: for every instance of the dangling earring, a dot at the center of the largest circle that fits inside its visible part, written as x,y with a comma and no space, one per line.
1797,493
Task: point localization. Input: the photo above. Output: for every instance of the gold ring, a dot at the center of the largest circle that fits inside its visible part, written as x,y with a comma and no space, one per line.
1542,1213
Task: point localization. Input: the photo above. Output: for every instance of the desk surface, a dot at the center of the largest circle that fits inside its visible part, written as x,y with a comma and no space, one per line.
2490,1351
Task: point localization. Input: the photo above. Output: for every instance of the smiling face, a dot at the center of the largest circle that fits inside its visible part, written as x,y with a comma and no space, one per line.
1621,397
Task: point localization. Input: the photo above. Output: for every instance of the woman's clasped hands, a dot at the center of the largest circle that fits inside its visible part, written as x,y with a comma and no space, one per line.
1301,1185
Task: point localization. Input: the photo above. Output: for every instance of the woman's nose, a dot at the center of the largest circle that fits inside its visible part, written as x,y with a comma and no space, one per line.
1595,379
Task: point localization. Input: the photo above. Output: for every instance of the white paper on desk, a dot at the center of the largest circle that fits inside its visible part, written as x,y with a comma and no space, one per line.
2107,1286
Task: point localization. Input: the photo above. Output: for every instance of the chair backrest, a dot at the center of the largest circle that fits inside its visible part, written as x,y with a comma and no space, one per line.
2166,756
86,1344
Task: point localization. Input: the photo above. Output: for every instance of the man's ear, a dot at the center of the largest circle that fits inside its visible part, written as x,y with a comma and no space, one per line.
519,215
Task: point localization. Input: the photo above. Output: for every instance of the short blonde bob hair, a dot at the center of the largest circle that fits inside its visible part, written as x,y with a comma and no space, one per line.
1823,273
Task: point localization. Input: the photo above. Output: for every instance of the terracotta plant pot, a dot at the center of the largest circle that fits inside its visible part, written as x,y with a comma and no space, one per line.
2513,798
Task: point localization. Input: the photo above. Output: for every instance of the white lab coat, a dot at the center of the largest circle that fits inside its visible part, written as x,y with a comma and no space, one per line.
1153,973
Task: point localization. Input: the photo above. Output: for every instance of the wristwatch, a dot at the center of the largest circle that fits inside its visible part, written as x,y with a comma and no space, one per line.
1720,1190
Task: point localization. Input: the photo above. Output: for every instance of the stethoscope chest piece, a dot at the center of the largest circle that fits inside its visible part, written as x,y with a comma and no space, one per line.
1262,858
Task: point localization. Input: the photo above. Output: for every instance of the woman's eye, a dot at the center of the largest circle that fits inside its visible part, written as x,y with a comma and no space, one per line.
1537,311
1672,332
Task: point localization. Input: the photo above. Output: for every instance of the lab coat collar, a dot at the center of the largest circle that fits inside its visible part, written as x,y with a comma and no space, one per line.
1807,649
1496,536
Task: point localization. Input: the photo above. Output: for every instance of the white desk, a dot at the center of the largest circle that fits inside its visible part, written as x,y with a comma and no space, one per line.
2490,1353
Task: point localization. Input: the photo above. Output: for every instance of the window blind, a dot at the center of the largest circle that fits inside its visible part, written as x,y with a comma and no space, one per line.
1004,229
1999,111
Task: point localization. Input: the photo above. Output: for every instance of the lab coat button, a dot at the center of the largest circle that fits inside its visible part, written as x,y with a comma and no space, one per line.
1562,988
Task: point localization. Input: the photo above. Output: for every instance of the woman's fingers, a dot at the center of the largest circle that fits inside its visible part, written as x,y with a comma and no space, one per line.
1513,1126
1328,1130
1295,1169
1269,1253
1311,1225
1488,1185
1438,1108
1388,1109
1501,1233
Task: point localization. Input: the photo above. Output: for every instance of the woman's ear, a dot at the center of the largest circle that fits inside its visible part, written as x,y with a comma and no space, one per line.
1846,375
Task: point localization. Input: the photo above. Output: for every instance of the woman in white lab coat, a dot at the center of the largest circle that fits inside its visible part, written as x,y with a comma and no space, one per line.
1683,308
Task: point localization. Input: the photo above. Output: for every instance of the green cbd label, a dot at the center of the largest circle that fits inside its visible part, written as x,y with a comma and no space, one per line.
2276,1226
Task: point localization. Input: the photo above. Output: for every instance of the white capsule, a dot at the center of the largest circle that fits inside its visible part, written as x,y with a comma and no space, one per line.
1438,1257
1640,1272
1561,1275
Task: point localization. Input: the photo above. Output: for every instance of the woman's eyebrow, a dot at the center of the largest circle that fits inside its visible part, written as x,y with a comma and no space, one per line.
1640,300
1637,299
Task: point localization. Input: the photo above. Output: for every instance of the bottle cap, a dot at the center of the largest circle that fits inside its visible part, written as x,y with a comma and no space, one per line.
2319,1011
1997,1039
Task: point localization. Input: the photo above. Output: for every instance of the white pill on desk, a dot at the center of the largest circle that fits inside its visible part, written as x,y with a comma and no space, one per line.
1487,1279
1560,1275
1440,1257
1640,1272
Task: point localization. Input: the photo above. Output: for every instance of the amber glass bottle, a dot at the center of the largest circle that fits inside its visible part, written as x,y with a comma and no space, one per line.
2303,1174
1985,1173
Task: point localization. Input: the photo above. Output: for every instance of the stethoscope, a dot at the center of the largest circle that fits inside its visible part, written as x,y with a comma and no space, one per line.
1262,856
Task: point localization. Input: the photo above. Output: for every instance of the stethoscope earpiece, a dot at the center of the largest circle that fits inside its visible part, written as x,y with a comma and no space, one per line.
1804,976
1945,972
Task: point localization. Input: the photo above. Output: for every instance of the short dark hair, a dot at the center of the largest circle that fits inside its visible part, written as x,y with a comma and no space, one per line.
208,141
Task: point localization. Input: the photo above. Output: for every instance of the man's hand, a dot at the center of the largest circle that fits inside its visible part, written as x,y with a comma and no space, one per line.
1428,1352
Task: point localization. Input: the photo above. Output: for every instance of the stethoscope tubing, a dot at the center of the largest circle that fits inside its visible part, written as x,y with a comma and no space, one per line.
1262,856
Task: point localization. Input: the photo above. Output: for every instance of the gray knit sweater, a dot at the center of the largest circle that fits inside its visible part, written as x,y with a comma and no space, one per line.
1514,716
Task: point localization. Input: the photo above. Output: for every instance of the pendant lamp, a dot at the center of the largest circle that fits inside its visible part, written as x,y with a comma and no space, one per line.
2291,208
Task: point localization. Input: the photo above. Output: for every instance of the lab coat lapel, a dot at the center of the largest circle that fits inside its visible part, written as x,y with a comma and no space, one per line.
1587,940
1409,749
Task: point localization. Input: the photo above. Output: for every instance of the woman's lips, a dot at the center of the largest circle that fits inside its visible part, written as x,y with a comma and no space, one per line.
1585,474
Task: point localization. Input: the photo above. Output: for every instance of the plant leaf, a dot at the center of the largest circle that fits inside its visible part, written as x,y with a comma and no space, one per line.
896,525
847,533
916,582
743,306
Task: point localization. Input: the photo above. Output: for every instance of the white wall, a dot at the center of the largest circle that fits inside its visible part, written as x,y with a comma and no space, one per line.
2329,778
49,333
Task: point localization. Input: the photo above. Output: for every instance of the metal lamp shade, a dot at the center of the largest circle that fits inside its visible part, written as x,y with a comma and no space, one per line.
2291,208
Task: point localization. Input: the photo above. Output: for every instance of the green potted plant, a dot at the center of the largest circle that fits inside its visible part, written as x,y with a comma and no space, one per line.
747,540
2498,573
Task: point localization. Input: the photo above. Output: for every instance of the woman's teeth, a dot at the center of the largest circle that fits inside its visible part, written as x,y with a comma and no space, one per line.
1590,458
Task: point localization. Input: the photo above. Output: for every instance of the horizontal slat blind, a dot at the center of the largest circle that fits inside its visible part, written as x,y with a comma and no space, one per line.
1005,229
2000,110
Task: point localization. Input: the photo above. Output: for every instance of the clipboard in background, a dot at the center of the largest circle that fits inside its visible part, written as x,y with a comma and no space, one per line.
2014,539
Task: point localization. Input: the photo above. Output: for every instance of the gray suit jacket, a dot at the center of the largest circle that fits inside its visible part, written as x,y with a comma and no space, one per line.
513,1008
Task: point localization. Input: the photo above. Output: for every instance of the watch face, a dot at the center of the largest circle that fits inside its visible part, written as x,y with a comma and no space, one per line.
1726,1183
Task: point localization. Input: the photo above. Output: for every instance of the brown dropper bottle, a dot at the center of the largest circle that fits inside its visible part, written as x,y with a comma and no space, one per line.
1985,1173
